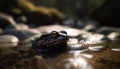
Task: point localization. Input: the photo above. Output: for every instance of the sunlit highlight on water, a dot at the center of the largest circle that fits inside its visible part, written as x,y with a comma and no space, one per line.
78,62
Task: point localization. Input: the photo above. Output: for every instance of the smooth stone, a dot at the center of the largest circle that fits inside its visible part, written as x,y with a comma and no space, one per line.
108,30
21,19
80,24
72,41
114,36
8,41
70,31
86,35
18,26
77,47
6,20
69,22
116,49
8,38
91,26
96,39
23,35
96,48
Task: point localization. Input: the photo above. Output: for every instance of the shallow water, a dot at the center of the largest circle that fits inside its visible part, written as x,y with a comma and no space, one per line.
84,58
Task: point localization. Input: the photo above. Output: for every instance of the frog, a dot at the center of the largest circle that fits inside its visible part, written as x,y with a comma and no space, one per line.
53,41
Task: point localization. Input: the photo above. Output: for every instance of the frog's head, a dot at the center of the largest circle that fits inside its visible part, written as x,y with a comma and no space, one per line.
54,34
63,32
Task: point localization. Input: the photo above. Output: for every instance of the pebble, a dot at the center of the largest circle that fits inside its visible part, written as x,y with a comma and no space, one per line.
77,47
114,36
6,20
69,22
74,23
21,19
23,35
18,26
70,31
72,41
91,26
96,39
96,48
8,41
116,49
108,30
85,36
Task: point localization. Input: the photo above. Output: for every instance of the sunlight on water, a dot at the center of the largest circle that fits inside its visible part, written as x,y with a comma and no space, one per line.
78,62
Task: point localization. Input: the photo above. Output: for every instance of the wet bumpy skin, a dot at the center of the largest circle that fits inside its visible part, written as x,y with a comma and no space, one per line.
50,42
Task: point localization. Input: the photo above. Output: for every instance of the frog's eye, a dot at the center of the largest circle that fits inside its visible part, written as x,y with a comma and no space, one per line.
63,32
54,33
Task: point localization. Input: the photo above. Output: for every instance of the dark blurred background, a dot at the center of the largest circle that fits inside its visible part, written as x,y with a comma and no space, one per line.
106,12
45,12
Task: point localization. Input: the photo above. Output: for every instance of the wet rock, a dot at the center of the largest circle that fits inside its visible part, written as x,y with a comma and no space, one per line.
18,26
21,19
91,26
108,30
6,20
44,16
72,41
70,31
95,39
23,35
116,49
85,36
114,36
73,23
96,48
80,24
77,47
8,41
69,22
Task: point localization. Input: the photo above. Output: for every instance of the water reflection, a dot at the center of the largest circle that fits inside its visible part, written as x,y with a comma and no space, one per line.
78,63
68,60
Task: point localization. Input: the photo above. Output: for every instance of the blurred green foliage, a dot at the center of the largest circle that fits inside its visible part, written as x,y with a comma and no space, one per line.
72,7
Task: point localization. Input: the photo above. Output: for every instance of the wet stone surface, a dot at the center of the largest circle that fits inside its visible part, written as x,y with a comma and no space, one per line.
86,50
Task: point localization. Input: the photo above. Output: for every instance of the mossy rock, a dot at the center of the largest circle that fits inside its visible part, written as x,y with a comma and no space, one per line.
57,13
43,10
26,6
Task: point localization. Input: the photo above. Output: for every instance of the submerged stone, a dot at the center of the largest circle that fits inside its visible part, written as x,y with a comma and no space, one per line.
8,41
96,48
